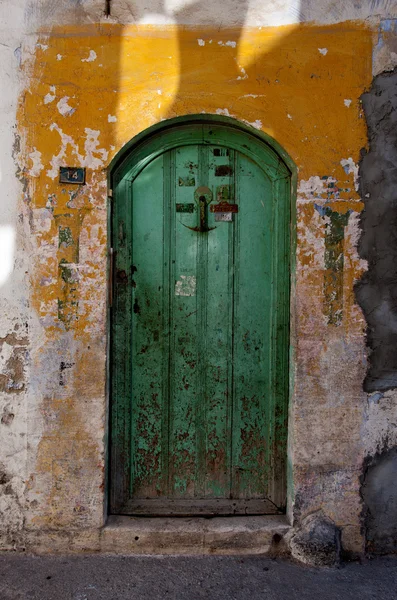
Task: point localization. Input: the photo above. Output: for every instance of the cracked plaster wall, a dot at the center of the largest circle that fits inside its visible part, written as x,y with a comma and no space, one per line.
77,90
376,294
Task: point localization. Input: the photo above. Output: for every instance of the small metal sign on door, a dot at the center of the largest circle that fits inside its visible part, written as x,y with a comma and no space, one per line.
223,207
224,211
224,216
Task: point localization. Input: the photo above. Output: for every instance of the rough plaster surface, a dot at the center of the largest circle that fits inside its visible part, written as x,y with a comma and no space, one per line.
229,13
90,100
16,319
316,542
376,293
65,488
379,493
377,290
385,49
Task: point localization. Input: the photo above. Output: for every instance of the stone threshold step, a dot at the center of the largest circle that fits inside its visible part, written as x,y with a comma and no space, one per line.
195,535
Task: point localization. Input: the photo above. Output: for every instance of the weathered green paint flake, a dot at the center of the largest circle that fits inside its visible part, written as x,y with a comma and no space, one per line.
65,237
334,262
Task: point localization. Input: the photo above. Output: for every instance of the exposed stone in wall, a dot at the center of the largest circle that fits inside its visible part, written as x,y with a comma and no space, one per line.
377,290
12,361
12,506
317,541
379,493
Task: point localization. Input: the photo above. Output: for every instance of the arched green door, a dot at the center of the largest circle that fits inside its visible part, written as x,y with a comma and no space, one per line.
200,316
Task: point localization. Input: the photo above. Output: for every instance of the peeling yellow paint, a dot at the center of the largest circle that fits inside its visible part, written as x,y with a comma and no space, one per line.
92,89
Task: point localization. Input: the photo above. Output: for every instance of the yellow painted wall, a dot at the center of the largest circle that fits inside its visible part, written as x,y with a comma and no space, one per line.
275,78
299,84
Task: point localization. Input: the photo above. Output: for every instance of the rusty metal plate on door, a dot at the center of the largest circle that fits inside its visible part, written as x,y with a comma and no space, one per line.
224,207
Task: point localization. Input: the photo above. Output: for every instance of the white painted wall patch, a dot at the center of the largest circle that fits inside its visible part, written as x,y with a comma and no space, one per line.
229,43
223,111
37,166
312,187
90,147
92,56
186,286
349,166
50,97
64,108
7,241
243,74
257,124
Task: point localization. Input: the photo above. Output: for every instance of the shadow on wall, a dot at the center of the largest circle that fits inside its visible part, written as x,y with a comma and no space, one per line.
379,494
376,293
377,290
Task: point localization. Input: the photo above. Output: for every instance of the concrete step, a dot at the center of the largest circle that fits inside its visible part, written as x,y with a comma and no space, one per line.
196,535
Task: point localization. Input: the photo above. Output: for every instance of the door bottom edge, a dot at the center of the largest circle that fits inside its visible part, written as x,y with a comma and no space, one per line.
204,507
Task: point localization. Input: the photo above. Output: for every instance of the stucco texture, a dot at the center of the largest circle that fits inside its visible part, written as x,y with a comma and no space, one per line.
88,90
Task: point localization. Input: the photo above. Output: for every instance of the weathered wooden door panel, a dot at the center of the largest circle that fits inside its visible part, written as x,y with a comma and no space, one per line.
149,372
252,331
200,340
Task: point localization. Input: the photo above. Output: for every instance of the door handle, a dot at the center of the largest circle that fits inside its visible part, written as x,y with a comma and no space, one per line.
203,197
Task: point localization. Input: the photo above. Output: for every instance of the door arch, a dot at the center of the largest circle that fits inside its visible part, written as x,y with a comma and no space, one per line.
201,226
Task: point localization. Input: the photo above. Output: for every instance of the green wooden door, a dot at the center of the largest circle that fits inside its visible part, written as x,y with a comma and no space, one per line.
200,331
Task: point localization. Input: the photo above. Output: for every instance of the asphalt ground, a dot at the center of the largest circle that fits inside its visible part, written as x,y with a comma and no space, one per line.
97,577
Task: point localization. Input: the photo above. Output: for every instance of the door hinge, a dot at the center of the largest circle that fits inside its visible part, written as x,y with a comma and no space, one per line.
110,194
111,276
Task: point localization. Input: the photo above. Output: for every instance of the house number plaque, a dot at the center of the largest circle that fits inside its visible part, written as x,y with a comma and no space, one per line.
71,175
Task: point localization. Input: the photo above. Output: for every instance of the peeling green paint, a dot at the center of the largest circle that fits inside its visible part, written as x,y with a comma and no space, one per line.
334,262
200,357
68,303
65,237
67,273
